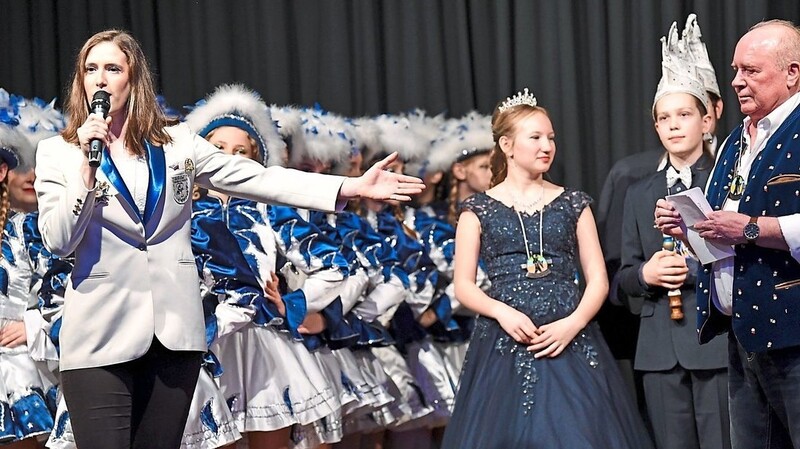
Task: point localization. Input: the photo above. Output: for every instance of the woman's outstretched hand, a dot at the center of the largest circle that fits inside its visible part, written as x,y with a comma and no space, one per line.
379,184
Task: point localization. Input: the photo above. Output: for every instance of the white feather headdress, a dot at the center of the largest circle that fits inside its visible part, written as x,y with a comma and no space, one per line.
288,120
5,99
471,135
38,120
397,135
12,143
236,105
34,120
323,137
367,134
431,129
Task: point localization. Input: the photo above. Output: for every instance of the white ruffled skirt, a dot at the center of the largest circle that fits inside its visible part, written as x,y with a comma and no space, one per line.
409,407
271,382
210,422
436,379
24,387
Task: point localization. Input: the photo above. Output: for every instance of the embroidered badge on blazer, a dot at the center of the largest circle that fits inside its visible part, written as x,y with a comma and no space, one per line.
188,166
180,187
101,193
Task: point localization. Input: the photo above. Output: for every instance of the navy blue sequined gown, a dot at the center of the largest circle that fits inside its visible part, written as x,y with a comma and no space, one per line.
508,399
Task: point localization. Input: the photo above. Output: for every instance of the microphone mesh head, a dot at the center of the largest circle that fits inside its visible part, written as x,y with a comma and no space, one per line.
101,102
101,96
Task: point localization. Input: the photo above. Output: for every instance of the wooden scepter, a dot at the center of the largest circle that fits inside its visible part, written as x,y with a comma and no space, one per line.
675,300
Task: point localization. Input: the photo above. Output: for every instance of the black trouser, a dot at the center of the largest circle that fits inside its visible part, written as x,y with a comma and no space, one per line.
139,404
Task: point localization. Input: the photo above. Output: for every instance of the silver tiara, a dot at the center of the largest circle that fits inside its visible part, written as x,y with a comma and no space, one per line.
523,97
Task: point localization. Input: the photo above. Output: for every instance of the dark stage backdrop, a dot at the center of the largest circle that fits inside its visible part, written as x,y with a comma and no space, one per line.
593,63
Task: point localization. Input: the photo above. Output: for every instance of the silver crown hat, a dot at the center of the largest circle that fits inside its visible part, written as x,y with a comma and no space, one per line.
38,120
698,53
471,136
678,75
323,137
238,106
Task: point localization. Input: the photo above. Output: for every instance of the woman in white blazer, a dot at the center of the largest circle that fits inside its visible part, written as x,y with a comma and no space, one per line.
132,330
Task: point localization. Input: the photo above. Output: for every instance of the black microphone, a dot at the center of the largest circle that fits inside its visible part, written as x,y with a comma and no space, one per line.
101,104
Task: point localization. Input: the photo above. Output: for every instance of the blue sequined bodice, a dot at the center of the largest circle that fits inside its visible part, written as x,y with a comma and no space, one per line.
503,251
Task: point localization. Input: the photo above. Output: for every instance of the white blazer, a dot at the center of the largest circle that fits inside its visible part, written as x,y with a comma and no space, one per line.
135,276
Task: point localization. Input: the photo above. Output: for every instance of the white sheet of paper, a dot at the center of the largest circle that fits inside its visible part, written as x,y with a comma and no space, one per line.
693,207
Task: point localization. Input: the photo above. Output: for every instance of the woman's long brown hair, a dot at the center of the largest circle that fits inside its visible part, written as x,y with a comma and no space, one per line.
145,119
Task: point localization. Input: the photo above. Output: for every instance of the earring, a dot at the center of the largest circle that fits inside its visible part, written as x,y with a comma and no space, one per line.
708,137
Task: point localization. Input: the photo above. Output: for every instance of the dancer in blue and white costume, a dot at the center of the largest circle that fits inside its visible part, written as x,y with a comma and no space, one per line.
319,140
460,161
38,121
24,383
210,422
322,142
411,363
270,380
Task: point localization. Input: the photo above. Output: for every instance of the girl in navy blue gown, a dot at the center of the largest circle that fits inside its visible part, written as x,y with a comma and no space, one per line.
537,373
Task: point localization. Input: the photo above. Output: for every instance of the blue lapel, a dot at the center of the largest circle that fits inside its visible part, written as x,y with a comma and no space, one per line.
111,172
158,175
156,180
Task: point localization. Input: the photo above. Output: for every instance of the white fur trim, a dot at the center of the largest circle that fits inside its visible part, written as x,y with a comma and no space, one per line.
239,100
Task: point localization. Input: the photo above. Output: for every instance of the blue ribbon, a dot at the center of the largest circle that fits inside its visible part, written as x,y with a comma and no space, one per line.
157,179
158,175
115,178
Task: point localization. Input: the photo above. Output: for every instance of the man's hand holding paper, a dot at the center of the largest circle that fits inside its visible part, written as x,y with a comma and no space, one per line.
709,233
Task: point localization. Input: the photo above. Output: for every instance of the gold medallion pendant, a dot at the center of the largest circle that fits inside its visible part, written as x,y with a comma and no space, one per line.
537,267
736,189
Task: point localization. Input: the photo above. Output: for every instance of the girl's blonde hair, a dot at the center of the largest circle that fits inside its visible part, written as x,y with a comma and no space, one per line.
503,123
5,203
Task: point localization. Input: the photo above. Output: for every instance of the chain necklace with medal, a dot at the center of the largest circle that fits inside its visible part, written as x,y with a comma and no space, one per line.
736,188
536,266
